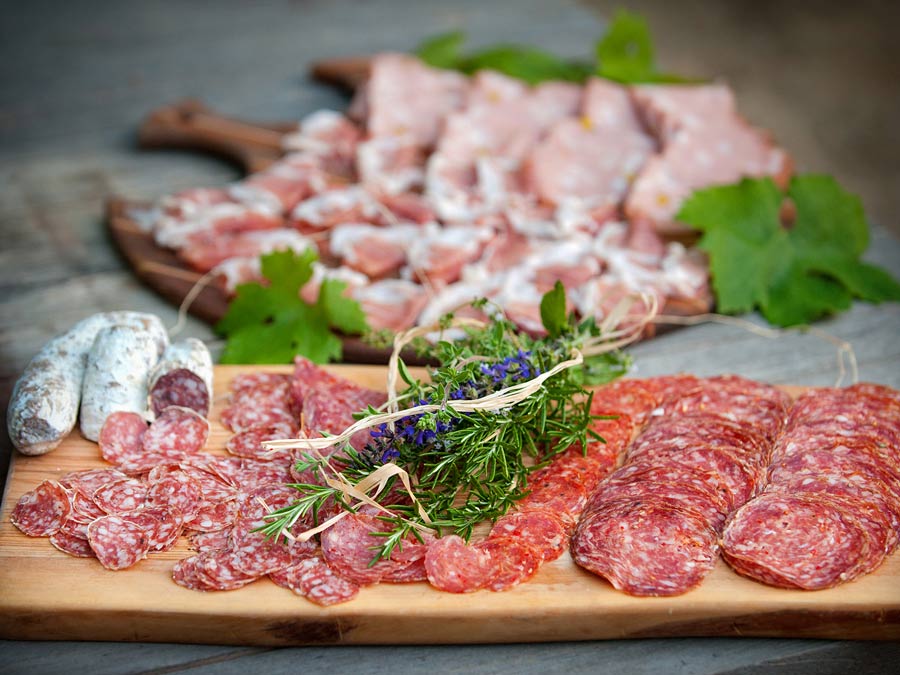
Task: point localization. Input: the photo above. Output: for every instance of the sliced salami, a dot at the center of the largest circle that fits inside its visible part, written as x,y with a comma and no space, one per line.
210,541
86,481
186,574
219,571
72,544
161,525
117,543
181,388
122,437
313,579
120,496
455,567
179,492
239,419
179,430
513,561
540,528
256,380
213,516
645,548
42,511
827,545
563,495
249,443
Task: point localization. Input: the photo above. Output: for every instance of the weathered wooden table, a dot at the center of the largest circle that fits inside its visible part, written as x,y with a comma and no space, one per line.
75,79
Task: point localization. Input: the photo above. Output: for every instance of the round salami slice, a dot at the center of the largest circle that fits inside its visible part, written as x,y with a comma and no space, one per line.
865,442
121,496
186,574
84,509
349,547
72,544
274,395
257,380
643,548
763,414
798,541
586,469
161,525
88,480
313,579
180,430
122,437
455,567
887,395
210,541
179,492
249,443
219,571
665,387
255,473
562,495
240,418
635,398
212,486
540,528
214,516
181,388
117,543
42,511
702,429
512,561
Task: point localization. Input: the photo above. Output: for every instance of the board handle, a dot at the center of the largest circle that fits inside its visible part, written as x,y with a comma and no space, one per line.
191,125
346,72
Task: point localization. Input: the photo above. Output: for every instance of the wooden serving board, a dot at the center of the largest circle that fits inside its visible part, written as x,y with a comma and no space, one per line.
48,595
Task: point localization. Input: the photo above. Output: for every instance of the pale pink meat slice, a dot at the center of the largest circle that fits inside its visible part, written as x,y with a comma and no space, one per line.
213,220
405,97
665,109
719,154
203,255
374,251
392,304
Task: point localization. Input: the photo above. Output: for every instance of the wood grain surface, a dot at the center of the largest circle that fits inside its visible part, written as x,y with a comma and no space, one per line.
49,595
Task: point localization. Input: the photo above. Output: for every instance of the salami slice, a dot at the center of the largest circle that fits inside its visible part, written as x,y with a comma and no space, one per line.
795,542
635,398
210,541
161,525
117,543
42,511
239,419
181,388
702,429
179,430
313,579
186,574
560,494
72,544
540,528
645,548
122,437
120,496
86,481
455,567
84,509
513,561
257,380
179,492
249,443
213,516
219,571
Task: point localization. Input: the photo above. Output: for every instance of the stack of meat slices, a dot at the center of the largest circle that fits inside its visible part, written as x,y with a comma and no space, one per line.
652,527
443,188
830,511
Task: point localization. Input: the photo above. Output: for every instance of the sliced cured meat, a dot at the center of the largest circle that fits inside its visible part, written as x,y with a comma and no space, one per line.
540,528
72,544
42,511
391,304
117,543
439,255
404,97
180,387
257,380
513,561
314,580
186,574
349,547
239,419
219,571
86,481
249,443
333,207
862,441
161,525
643,548
666,109
175,491
210,541
680,496
374,251
635,398
455,567
254,474
122,437
325,133
121,496
391,165
691,159
209,222
765,414
703,429
84,509
209,252
795,542
573,464
177,429
562,495
213,516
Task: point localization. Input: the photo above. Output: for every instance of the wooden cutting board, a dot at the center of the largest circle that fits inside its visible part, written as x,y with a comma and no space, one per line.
48,595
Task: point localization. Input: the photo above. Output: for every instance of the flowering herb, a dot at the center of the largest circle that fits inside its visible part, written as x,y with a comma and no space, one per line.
471,465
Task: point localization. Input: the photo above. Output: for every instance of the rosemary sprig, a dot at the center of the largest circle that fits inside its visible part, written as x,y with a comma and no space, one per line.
470,467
